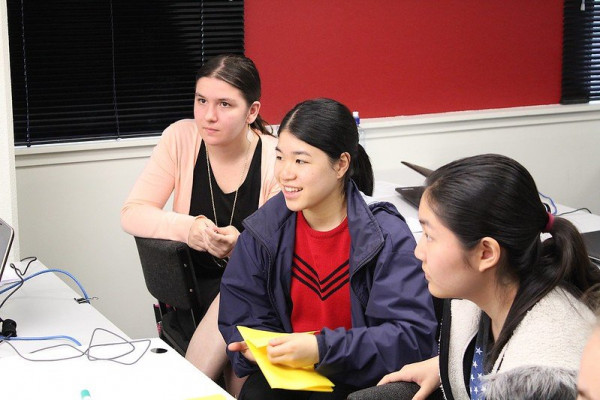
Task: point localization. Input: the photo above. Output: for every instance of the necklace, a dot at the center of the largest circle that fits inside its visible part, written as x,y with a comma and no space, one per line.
222,262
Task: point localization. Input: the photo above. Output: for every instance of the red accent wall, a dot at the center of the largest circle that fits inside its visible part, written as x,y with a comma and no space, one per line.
404,57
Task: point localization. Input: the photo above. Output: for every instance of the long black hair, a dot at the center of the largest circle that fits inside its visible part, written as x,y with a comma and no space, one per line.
241,73
494,196
329,126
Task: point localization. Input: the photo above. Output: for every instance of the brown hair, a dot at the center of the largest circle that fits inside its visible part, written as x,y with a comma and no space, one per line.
241,73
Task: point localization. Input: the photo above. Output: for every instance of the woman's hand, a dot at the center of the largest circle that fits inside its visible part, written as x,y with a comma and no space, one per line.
242,347
220,241
296,350
197,235
425,373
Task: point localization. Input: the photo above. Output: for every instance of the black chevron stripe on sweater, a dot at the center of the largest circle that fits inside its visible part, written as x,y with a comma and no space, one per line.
308,276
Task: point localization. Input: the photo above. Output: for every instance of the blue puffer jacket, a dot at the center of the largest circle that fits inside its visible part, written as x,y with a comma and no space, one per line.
393,322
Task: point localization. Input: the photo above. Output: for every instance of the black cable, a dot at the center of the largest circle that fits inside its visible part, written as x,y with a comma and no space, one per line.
5,337
20,275
570,212
31,259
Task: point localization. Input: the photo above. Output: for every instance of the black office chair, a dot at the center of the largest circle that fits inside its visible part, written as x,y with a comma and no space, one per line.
170,278
402,390
395,390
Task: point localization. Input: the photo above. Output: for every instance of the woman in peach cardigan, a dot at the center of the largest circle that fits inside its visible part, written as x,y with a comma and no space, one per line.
220,167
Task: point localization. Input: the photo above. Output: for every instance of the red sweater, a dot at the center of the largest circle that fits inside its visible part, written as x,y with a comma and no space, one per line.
320,287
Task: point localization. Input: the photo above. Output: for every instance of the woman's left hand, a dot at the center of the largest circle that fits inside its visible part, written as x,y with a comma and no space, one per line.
242,347
220,241
296,350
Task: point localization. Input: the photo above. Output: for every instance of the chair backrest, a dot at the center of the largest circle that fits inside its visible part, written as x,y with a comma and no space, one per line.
394,390
168,272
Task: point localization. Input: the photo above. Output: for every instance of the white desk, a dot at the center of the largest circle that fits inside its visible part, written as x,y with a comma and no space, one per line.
44,306
155,376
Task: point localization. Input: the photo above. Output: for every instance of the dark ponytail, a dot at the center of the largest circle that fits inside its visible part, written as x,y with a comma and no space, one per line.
592,298
494,196
362,172
241,73
566,253
329,126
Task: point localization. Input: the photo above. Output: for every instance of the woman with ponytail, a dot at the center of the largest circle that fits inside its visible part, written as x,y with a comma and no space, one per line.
317,258
519,330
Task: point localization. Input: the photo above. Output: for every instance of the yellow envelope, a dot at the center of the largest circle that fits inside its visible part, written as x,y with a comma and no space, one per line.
280,376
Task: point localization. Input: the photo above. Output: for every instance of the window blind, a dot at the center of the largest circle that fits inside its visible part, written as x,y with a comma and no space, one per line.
100,69
581,51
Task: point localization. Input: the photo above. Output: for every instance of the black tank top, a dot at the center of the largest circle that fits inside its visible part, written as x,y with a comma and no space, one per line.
201,204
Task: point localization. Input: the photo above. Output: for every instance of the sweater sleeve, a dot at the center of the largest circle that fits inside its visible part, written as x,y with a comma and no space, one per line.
400,322
143,214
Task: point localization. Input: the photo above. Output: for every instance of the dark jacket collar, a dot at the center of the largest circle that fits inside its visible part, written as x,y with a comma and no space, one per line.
366,236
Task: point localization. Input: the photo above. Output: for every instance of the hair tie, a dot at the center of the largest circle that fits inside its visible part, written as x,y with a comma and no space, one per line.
549,224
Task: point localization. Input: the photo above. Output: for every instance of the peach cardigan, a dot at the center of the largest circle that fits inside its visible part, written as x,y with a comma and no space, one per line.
171,168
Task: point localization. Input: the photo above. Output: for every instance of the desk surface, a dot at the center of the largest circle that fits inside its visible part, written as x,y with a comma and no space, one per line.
155,376
44,306
387,182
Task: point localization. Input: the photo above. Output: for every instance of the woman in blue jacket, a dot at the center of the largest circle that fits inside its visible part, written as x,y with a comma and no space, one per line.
316,257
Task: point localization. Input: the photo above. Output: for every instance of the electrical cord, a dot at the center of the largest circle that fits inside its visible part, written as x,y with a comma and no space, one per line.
31,259
20,275
17,285
85,295
35,338
573,211
88,351
3,338
553,210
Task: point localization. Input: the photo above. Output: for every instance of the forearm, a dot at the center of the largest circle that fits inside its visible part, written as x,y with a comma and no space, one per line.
148,221
361,356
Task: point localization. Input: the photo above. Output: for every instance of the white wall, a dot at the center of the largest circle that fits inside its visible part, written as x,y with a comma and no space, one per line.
70,195
559,145
8,191
69,204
